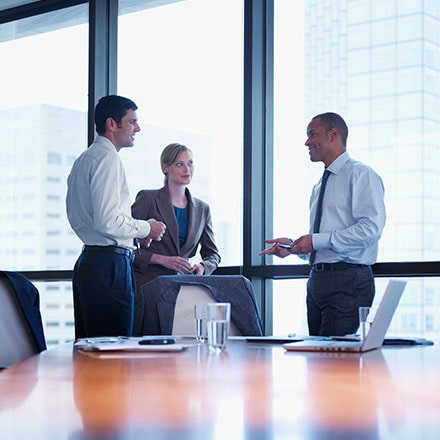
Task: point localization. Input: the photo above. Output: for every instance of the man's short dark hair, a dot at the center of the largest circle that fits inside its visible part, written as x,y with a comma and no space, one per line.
333,120
111,106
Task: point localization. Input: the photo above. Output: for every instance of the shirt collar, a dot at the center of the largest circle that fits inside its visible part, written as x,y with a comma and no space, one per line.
336,166
105,141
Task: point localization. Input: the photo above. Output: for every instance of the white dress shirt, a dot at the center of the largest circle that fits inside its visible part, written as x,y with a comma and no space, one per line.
98,200
353,213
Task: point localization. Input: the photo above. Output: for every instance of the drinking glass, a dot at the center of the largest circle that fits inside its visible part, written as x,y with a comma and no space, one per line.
364,322
200,315
217,325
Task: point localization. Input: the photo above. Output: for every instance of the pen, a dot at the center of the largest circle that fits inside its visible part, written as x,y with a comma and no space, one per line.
285,246
161,341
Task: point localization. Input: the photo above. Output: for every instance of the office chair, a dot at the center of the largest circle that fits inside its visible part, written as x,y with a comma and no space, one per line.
21,328
189,295
165,305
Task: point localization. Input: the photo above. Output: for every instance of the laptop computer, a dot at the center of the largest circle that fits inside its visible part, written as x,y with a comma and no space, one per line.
375,336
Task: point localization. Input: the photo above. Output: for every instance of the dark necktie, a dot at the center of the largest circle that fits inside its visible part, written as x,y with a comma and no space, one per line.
319,209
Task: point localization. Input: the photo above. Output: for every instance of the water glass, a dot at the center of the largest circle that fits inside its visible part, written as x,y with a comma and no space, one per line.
200,315
364,322
217,324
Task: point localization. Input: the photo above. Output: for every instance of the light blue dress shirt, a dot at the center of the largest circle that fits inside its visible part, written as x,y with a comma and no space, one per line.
353,213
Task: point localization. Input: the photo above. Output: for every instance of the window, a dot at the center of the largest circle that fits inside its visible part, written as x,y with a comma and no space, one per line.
182,63
43,115
396,128
54,158
186,74
42,120
380,93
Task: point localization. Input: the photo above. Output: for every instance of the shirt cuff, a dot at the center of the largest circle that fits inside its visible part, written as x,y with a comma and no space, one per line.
144,229
321,240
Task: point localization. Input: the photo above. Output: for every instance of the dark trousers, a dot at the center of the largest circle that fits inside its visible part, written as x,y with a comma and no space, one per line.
334,298
103,295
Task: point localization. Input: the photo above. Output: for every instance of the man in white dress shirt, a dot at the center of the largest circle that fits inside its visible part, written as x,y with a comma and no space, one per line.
343,244
98,209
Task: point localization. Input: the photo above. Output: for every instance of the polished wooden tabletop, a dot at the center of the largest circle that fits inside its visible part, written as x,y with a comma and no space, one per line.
251,391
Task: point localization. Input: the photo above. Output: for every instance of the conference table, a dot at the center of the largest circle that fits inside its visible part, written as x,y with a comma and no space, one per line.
251,391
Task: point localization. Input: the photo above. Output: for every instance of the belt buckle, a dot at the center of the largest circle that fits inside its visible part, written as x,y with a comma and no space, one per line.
320,267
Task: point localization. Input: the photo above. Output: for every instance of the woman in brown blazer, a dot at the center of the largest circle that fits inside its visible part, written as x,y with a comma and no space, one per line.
188,222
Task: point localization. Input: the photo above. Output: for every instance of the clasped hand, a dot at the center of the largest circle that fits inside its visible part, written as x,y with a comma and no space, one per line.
180,265
157,230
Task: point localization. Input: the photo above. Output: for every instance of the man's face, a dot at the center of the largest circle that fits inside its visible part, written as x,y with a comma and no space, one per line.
126,130
318,141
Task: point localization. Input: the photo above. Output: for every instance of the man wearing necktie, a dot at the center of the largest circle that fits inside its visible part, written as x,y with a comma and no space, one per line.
347,217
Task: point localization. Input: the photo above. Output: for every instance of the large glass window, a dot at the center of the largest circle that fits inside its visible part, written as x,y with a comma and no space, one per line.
380,93
182,63
43,126
417,314
43,109
385,106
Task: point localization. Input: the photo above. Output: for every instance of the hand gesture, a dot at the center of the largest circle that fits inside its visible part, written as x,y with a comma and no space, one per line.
157,230
276,248
303,245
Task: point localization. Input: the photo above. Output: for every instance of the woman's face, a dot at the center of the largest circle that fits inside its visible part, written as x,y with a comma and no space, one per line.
181,171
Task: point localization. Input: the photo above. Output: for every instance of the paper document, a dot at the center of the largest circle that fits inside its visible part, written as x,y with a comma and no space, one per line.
132,344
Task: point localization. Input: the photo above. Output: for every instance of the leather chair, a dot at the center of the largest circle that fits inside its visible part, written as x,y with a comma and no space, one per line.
165,305
189,295
21,328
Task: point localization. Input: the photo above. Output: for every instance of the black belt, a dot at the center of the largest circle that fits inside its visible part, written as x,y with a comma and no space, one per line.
109,249
321,267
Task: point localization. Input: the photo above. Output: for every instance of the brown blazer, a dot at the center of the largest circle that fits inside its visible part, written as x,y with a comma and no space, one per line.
157,204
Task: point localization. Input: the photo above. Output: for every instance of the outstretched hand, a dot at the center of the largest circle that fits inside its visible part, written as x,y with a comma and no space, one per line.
302,245
276,249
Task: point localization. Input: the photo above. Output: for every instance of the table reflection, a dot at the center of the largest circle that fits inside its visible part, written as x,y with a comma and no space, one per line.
14,392
157,392
347,394
249,392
